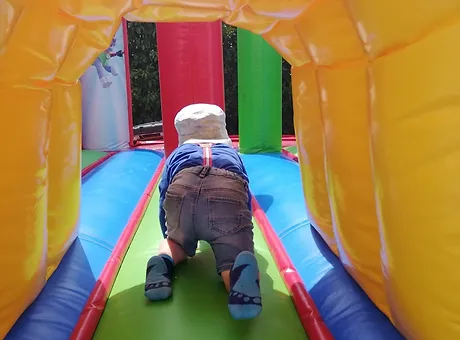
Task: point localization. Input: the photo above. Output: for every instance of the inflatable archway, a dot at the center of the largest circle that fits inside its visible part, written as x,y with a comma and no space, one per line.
366,75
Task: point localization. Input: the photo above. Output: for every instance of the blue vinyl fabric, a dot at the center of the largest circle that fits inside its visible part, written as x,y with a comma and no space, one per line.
110,194
349,314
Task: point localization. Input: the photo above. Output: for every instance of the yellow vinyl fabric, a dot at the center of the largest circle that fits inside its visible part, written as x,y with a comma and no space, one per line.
24,184
64,172
331,123
349,176
415,116
389,65
310,140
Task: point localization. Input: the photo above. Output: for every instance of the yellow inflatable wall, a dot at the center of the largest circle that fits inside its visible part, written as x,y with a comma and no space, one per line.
24,186
376,109
309,130
349,176
338,75
64,172
415,116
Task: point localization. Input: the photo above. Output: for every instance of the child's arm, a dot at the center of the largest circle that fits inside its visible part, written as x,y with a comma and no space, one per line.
249,200
163,187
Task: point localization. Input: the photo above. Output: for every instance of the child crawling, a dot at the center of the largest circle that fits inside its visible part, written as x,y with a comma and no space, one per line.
204,196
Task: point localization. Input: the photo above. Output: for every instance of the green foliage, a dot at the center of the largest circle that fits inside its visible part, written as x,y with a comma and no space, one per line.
145,84
230,78
143,64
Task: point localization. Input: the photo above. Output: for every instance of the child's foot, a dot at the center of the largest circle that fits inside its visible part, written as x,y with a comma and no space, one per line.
159,275
244,301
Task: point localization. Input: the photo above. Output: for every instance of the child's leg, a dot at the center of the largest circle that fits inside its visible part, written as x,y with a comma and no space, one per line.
226,278
181,242
173,250
242,279
225,221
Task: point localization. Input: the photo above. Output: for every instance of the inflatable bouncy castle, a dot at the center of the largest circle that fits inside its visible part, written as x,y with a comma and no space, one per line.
356,223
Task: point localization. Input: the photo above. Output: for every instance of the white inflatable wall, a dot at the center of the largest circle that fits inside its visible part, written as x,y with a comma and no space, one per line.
105,101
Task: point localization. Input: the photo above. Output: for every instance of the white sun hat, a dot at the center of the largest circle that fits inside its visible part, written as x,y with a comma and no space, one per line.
201,123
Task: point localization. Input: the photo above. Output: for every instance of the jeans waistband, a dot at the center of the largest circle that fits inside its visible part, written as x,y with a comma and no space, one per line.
204,171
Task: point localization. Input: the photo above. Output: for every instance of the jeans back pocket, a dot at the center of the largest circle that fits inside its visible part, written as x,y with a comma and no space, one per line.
224,215
173,206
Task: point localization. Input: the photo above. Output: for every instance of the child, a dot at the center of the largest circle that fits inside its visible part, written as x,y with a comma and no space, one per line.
204,196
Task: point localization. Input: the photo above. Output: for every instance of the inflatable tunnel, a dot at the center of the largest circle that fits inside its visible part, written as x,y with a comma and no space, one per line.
356,224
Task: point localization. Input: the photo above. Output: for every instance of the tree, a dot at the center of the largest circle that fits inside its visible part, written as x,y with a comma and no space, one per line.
143,64
145,85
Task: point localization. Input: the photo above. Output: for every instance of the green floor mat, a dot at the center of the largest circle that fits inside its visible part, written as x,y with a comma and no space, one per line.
291,149
89,157
198,309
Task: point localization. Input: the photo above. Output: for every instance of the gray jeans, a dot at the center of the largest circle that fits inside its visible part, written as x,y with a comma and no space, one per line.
210,204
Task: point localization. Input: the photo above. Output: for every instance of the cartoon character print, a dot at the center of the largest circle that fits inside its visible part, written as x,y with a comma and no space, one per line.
103,67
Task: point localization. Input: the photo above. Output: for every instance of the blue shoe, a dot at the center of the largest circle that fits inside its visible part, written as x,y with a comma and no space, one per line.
158,281
244,300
